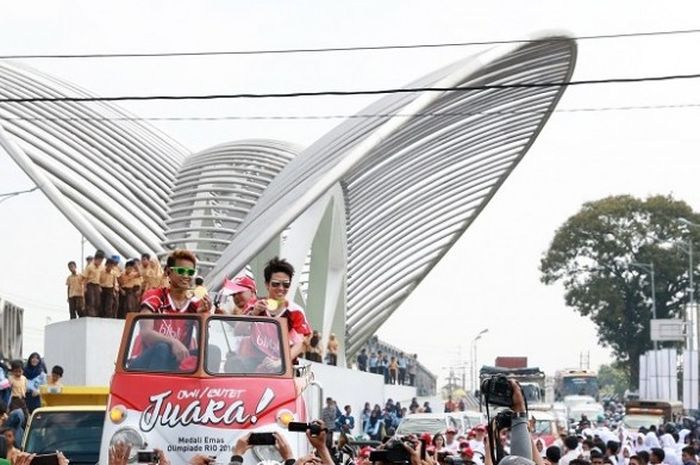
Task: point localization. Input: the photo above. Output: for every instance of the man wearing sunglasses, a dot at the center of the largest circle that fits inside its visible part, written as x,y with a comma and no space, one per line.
278,279
167,341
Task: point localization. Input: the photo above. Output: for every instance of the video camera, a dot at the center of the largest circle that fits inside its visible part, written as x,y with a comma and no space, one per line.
313,428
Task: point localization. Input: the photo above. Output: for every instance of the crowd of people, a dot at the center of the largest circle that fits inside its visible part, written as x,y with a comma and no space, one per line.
399,369
375,422
20,394
106,289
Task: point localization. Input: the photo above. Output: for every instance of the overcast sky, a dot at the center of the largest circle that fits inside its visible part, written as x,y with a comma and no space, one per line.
490,279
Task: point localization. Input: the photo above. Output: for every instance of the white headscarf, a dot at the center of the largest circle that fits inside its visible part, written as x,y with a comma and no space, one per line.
639,443
669,446
650,440
630,453
682,434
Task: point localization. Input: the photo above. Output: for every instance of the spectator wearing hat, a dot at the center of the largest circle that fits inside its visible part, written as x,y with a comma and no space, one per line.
237,296
477,442
91,276
76,292
451,443
466,454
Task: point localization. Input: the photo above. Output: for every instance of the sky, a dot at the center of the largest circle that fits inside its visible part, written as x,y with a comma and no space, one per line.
490,279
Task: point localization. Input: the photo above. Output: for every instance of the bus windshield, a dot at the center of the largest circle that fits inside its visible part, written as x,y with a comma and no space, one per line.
580,385
232,346
246,346
163,343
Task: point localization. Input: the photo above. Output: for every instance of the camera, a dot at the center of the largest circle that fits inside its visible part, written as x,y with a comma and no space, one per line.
147,456
497,390
314,428
394,452
261,439
504,419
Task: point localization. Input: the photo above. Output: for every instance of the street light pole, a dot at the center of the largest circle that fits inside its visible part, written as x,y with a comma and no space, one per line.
694,333
474,383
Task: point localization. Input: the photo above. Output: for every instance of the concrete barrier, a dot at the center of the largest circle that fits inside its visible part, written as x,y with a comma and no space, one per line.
86,348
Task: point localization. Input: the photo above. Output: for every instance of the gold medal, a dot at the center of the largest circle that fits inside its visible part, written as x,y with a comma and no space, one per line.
272,304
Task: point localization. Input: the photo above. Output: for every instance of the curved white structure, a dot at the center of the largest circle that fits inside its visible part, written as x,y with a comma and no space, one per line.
112,177
214,190
367,210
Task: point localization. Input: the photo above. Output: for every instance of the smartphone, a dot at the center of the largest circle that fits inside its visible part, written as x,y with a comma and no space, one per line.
45,459
146,456
261,439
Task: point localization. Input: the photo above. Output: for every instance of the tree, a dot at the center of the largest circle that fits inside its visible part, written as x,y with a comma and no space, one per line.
593,255
613,379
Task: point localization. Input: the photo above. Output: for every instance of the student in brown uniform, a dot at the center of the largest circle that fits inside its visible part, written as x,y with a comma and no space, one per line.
91,275
117,272
76,293
151,273
109,286
130,283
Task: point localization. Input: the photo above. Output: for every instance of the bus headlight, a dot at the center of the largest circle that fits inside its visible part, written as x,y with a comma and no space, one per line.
284,418
117,414
131,437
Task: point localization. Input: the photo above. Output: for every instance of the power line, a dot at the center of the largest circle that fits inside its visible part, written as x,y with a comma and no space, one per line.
19,192
344,93
344,49
9,195
357,115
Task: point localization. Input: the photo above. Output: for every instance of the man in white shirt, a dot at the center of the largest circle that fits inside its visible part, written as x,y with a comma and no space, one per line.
570,449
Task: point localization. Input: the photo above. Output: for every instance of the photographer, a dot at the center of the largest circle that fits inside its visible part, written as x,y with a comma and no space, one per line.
521,443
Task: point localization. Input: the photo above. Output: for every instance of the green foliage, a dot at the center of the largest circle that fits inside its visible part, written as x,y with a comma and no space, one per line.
613,379
592,254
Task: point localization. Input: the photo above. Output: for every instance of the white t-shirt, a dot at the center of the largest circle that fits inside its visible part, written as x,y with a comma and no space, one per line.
569,456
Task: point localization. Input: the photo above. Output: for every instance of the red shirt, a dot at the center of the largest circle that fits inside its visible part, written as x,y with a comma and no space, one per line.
297,324
160,301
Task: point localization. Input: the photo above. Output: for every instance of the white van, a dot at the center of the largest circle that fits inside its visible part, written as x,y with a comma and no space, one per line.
433,423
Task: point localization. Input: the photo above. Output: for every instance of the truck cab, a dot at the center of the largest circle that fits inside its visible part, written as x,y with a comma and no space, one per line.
234,376
646,413
71,420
